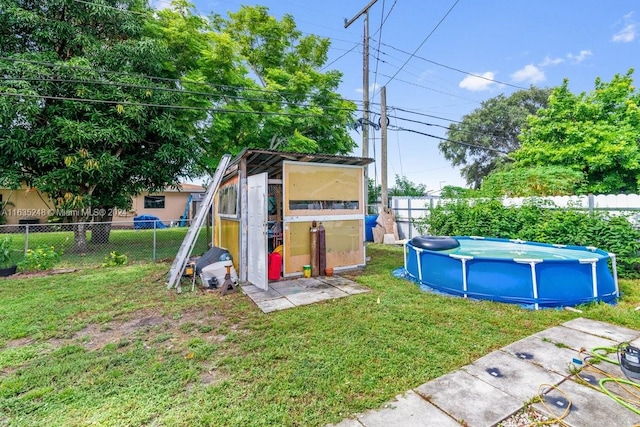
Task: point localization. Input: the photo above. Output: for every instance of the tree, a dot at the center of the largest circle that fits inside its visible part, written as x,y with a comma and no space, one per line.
286,102
482,140
531,181
455,192
404,187
595,134
374,192
81,121
262,79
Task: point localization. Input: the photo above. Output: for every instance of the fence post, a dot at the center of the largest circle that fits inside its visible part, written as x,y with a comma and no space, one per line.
591,203
410,217
154,240
26,238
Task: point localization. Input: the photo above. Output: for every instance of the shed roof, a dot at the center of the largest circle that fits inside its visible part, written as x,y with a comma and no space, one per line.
259,161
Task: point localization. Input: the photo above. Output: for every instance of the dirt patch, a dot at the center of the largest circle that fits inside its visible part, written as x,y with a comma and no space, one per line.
20,342
153,329
210,375
171,333
30,274
352,274
96,336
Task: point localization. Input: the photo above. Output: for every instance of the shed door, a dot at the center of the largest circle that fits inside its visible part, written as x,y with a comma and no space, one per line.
257,238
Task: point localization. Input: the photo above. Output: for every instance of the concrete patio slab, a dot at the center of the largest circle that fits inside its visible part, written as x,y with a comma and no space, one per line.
352,289
468,399
543,353
409,410
347,422
602,329
514,376
251,289
289,293
264,295
275,305
588,407
562,336
306,298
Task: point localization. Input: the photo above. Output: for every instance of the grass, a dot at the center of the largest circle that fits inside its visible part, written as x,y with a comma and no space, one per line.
113,347
138,245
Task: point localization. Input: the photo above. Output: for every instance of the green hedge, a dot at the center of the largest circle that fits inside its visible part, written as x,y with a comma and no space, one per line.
538,221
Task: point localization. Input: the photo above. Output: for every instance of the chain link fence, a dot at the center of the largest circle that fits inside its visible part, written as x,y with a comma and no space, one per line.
140,241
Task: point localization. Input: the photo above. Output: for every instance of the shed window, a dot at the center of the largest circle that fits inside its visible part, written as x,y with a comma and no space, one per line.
228,200
154,202
296,205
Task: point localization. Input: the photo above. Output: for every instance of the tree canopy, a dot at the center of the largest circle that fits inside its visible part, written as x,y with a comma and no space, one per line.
481,141
404,187
265,81
596,134
80,120
531,181
102,101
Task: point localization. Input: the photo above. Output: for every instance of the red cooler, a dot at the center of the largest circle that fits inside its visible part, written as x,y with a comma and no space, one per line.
275,266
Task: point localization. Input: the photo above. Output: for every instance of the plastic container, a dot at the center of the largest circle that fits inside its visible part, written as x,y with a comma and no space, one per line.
306,271
369,224
275,265
219,271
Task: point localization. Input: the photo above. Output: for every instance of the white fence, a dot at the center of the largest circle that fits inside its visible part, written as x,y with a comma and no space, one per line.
407,209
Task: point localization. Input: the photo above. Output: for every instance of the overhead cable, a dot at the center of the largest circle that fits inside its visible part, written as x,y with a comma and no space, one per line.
424,41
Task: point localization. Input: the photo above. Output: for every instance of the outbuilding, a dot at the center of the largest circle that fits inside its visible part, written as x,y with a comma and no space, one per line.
267,201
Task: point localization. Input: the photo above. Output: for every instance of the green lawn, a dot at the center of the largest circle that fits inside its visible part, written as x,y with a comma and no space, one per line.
138,245
114,347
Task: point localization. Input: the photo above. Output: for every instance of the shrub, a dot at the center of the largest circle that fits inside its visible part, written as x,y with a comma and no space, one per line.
41,258
114,259
538,220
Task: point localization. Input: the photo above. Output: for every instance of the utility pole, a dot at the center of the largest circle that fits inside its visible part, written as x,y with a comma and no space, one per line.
383,148
365,89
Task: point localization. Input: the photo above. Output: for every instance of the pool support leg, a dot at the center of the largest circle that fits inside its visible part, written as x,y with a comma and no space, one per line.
463,259
594,277
614,268
534,280
419,262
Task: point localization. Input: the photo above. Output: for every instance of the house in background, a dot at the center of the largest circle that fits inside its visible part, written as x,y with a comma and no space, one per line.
28,205
169,206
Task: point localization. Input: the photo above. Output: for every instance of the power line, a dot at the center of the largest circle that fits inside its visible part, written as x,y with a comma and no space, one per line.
179,91
170,106
469,132
450,140
424,41
426,115
341,56
433,90
164,79
454,69
383,20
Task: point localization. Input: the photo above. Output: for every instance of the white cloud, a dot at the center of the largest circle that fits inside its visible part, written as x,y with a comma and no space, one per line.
372,88
584,54
629,32
478,82
530,74
550,61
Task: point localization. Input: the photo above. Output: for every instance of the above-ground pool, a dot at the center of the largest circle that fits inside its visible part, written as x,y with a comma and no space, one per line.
512,271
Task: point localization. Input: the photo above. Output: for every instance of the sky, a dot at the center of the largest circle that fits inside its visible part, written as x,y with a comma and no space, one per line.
440,59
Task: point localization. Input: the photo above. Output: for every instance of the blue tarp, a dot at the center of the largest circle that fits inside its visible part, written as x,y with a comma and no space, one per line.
147,221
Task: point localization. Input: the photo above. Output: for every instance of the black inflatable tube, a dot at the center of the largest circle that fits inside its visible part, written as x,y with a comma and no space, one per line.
435,243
